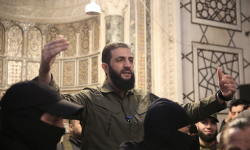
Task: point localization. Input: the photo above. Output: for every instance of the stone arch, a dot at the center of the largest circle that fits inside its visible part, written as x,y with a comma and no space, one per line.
34,42
15,41
52,34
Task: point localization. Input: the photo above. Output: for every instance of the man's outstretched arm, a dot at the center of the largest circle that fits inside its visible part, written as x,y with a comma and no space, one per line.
212,104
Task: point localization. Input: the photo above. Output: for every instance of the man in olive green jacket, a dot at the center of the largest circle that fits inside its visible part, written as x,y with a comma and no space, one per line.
115,111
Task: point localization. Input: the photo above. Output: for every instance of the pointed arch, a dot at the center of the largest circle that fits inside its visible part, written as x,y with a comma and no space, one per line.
52,34
34,43
15,41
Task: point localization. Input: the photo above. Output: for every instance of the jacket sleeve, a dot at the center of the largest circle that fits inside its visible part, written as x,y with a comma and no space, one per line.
205,107
78,98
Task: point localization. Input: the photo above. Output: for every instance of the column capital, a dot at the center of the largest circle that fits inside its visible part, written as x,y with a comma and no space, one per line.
113,7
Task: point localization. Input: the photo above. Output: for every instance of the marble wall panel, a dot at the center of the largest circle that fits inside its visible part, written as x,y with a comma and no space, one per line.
1,38
94,69
52,34
84,40
71,37
96,37
216,31
15,42
32,70
114,29
69,73
83,72
34,43
14,72
55,71
141,45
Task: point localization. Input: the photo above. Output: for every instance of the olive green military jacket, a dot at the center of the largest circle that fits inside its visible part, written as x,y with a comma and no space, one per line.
104,121
213,147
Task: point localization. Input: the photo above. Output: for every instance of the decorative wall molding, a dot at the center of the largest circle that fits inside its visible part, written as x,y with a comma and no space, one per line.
205,67
222,14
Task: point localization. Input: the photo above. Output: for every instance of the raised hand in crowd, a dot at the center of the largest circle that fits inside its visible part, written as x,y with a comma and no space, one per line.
49,53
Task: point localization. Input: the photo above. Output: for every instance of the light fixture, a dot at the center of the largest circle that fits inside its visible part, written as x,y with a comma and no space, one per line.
92,8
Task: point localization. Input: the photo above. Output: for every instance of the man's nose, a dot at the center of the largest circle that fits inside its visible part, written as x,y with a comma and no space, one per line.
127,64
209,125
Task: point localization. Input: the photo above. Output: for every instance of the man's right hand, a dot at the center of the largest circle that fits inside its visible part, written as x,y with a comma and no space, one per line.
49,53
229,117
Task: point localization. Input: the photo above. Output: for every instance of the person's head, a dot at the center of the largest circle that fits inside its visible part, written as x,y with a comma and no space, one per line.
75,129
32,113
207,129
167,123
236,135
117,62
237,106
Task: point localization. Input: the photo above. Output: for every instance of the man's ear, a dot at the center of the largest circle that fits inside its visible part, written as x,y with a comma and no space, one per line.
71,127
105,67
197,125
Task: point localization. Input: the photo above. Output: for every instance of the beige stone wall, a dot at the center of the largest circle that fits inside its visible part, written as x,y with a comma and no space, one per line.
21,44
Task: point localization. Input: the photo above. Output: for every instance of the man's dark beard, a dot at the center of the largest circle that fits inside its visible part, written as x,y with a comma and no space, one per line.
207,138
121,83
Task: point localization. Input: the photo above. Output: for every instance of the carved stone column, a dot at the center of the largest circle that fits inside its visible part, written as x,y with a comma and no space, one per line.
44,41
90,41
78,44
114,19
5,50
25,44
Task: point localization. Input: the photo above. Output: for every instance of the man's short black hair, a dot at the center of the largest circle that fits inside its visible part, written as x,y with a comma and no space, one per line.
236,102
106,53
71,121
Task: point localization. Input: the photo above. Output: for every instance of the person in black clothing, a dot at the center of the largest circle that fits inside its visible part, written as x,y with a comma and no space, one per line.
32,117
163,131
74,142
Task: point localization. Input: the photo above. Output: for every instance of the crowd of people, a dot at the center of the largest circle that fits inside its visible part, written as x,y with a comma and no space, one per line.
116,115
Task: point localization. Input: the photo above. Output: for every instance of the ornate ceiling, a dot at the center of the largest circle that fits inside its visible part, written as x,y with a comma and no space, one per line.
44,11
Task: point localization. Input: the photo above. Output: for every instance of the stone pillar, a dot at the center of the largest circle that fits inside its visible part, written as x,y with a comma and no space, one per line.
25,44
114,29
166,57
114,19
5,50
44,41
78,44
91,41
